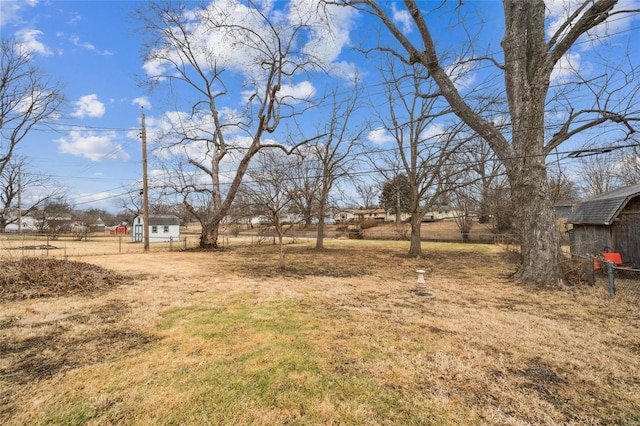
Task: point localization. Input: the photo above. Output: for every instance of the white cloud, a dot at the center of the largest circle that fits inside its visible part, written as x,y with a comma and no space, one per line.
89,106
101,200
10,10
96,147
27,39
85,45
154,68
558,12
88,46
303,90
142,101
500,120
326,35
75,18
380,136
403,18
165,127
330,31
569,65
461,74
347,71
434,131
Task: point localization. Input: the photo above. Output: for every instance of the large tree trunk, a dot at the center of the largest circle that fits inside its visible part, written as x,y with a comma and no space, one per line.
530,55
209,235
415,245
540,237
525,53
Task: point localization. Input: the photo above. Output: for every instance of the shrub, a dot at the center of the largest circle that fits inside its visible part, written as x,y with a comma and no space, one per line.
369,223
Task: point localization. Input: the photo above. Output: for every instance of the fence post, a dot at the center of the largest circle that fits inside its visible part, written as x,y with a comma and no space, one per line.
184,244
170,243
612,284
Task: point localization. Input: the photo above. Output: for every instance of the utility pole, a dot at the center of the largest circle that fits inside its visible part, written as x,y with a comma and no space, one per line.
145,187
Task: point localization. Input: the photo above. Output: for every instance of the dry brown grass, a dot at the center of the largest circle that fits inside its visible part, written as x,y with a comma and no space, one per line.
32,278
338,337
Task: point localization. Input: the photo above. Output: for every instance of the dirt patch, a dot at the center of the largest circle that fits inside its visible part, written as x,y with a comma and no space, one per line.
30,278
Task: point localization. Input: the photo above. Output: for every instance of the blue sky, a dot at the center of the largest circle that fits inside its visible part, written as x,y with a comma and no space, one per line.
89,47
93,49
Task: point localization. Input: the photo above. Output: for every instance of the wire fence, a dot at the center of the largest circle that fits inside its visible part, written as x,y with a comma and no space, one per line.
620,281
623,283
402,233
64,245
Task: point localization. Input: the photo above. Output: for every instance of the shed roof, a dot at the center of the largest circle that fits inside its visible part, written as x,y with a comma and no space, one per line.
161,220
603,209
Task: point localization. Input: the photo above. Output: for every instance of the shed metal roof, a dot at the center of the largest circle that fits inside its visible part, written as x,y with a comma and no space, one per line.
161,220
603,209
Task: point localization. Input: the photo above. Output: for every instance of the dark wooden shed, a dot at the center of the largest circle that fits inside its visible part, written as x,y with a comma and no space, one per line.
609,221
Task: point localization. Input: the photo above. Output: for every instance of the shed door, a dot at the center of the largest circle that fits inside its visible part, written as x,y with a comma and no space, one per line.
137,233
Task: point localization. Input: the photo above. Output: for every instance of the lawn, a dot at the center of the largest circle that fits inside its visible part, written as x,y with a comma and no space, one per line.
340,336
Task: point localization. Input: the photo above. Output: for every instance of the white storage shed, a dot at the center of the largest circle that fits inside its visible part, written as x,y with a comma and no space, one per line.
162,228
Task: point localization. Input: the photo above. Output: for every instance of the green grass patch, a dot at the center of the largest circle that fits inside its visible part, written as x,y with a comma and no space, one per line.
273,371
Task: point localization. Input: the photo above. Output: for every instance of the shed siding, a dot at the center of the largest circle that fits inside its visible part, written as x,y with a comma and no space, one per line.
590,239
167,228
626,233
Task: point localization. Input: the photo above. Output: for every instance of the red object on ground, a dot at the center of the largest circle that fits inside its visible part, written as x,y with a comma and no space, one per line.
615,258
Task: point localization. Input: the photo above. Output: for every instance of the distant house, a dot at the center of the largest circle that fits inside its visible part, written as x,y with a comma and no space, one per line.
610,221
357,215
442,212
97,225
162,228
382,215
29,224
285,218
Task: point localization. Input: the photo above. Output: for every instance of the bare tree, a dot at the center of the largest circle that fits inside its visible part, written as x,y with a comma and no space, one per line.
333,148
499,203
159,203
306,185
562,188
480,191
22,191
26,97
629,166
269,191
368,194
425,142
54,217
465,205
240,214
484,169
530,56
198,52
395,195
599,174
